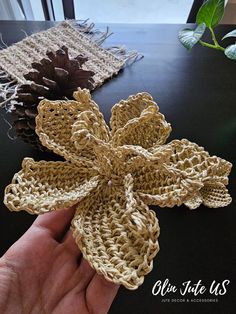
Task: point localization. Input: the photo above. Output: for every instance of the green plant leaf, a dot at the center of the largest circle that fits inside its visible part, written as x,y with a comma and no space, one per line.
189,37
230,52
230,34
211,12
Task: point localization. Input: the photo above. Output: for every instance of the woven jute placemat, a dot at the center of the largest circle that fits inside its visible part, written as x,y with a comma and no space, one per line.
80,38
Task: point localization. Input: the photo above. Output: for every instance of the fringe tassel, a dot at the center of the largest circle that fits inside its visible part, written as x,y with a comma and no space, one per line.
8,88
14,137
90,31
3,44
97,36
129,57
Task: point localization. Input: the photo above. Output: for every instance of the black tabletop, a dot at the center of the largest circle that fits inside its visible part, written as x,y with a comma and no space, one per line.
196,92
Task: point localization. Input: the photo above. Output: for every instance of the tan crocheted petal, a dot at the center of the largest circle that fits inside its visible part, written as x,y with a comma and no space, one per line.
212,195
93,120
194,162
128,109
45,186
188,170
53,126
137,121
136,158
215,195
162,187
194,202
88,131
117,234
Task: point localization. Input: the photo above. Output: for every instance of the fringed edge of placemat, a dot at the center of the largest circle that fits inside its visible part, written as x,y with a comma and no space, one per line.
98,37
8,88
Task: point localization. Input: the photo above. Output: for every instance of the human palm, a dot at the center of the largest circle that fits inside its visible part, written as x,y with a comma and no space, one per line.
44,272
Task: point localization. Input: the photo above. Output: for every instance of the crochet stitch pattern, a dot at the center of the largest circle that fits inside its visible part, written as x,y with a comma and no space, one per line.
114,175
80,38
16,60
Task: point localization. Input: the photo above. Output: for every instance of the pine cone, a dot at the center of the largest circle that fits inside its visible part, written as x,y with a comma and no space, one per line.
54,78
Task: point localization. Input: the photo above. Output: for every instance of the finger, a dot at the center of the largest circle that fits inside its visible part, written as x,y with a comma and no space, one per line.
83,275
100,294
57,223
69,244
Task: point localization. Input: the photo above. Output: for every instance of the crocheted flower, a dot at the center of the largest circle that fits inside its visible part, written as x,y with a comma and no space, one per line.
113,175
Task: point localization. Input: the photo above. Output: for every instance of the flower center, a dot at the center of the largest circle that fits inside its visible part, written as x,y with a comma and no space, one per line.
113,181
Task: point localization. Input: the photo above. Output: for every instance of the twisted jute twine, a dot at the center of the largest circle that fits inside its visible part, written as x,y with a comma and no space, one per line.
113,174
79,37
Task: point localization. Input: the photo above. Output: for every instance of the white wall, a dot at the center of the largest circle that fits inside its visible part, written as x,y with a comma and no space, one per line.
133,11
107,11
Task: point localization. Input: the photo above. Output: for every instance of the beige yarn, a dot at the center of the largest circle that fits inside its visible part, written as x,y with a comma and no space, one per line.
113,176
16,60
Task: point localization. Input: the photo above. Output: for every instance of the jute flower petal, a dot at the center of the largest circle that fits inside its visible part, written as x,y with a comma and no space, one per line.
136,158
215,195
55,121
195,162
164,188
94,122
128,109
137,121
45,186
187,173
212,195
88,132
117,234
53,127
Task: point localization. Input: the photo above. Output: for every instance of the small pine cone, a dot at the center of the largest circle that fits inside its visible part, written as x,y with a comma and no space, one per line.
54,78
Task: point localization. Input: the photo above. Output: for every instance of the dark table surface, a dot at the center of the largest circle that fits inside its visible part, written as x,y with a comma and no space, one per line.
196,92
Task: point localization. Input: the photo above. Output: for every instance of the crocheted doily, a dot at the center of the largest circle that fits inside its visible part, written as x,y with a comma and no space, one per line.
114,175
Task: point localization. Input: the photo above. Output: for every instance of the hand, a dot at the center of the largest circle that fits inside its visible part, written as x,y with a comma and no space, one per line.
44,272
